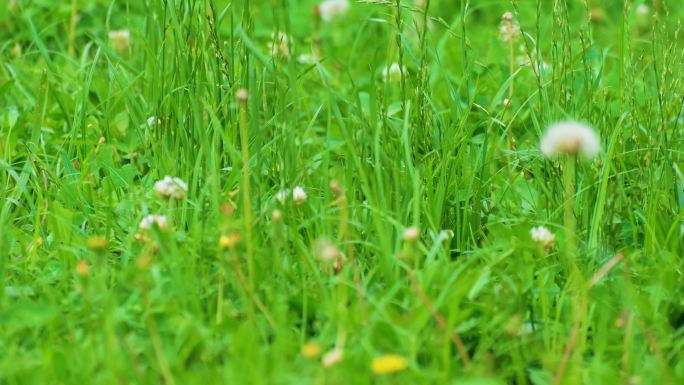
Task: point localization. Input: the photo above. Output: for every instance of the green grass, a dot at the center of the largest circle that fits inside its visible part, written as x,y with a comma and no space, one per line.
472,301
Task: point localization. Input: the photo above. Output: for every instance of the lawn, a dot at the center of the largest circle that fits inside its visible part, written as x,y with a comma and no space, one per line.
466,192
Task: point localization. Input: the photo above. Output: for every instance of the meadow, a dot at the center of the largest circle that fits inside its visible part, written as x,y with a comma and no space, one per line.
466,192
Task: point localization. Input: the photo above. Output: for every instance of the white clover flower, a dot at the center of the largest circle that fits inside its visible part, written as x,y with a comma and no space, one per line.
332,357
327,251
393,72
279,46
161,221
570,138
171,188
299,195
120,39
543,236
331,9
281,196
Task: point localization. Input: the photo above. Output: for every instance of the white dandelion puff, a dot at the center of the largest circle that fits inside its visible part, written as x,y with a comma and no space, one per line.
570,138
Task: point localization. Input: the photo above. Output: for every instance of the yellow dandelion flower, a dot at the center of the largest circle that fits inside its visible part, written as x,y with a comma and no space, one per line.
389,363
311,350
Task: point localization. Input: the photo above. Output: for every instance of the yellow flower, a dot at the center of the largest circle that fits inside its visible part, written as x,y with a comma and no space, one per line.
311,350
82,268
97,243
229,241
389,363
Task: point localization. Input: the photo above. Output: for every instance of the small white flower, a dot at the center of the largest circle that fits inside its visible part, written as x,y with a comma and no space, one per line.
570,138
306,58
171,188
299,195
152,120
281,196
332,357
120,39
393,72
331,9
543,236
279,46
327,252
160,220
507,16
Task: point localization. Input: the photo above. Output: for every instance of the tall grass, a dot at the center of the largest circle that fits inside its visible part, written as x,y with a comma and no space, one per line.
472,300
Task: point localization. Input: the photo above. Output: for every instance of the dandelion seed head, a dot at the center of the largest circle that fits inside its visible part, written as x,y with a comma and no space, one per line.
570,138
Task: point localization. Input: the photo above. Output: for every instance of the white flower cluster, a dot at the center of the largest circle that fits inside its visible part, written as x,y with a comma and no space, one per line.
171,188
543,236
160,220
298,195
331,9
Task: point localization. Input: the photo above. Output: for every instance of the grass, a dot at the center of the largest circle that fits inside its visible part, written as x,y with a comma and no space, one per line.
244,289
